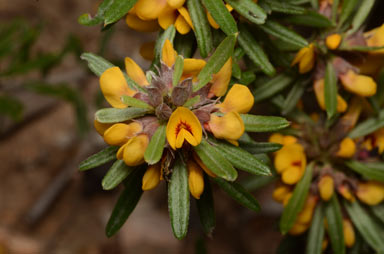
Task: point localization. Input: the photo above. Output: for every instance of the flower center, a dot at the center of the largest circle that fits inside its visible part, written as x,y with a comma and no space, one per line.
296,163
183,125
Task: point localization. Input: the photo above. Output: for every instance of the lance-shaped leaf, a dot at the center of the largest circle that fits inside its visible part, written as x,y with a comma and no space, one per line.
114,115
378,211
136,103
254,51
202,28
96,63
260,147
275,29
253,182
116,174
221,15
335,225
238,193
206,208
215,161
126,203
216,61
330,90
310,18
284,7
249,10
368,126
297,201
178,199
87,20
253,123
185,45
293,96
178,70
370,170
316,232
347,8
116,10
361,15
366,226
192,101
272,87
155,147
100,158
242,159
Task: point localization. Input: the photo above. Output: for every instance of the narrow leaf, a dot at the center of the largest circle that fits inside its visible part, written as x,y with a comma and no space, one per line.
178,70
370,170
96,63
296,202
378,210
100,158
272,87
136,103
249,10
115,175
155,147
316,232
293,96
221,15
260,147
310,18
346,10
255,123
335,225
117,10
275,29
330,90
215,161
368,126
239,194
284,7
206,208
178,200
114,115
192,101
361,15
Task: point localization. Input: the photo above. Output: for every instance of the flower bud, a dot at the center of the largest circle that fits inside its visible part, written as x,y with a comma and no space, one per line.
134,150
326,187
292,174
101,127
346,192
358,84
305,58
181,93
119,133
163,112
349,233
230,126
333,41
371,192
280,193
195,179
151,177
347,148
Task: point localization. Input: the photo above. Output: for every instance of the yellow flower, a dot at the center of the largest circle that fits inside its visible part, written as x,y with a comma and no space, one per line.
140,25
303,220
375,140
119,133
221,79
239,99
333,41
347,148
375,38
195,179
133,151
349,233
318,86
151,177
101,127
281,192
358,84
305,58
183,125
326,187
371,192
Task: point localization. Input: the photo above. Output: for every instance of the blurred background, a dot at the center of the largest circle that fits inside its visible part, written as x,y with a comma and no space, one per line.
47,101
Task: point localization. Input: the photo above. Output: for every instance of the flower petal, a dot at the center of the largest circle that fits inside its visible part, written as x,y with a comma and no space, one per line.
333,41
291,175
318,86
195,179
238,99
192,67
358,84
230,126
101,127
181,25
184,12
289,155
308,60
119,133
167,18
375,38
371,192
113,86
211,21
221,79
135,72
347,148
326,187
134,150
151,177
168,55
175,3
140,25
150,9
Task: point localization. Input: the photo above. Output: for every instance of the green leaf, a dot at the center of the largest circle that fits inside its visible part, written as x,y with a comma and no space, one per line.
136,103
370,170
378,211
178,200
114,115
185,44
316,232
335,8
249,10
242,159
284,7
117,10
311,19
96,64
293,96
368,126
255,123
126,203
155,147
216,61
335,225
330,90
272,87
221,15
192,101
275,29
346,10
11,107
361,15
238,193
206,208
178,70
253,182
116,174
296,202
100,158
254,51
365,224
202,28
260,147
87,20
215,161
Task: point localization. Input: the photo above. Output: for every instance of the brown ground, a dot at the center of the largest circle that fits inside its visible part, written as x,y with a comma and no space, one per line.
42,154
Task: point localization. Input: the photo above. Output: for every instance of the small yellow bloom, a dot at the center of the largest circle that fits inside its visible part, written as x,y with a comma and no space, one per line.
230,126
183,125
151,177
288,140
150,9
113,85
349,233
239,99
176,3
358,84
135,72
192,67
326,187
140,25
133,151
305,216
371,192
276,138
195,179
347,148
168,55
119,133
375,38
305,58
333,41
290,161
281,192
318,86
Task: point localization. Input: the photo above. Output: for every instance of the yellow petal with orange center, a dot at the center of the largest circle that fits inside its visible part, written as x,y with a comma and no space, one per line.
370,193
333,41
150,9
168,54
135,72
347,148
113,86
289,155
318,86
147,50
175,3
230,126
184,12
140,25
195,179
220,80
167,18
151,177
181,25
134,150
101,127
119,133
183,125
358,84
238,99
326,187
